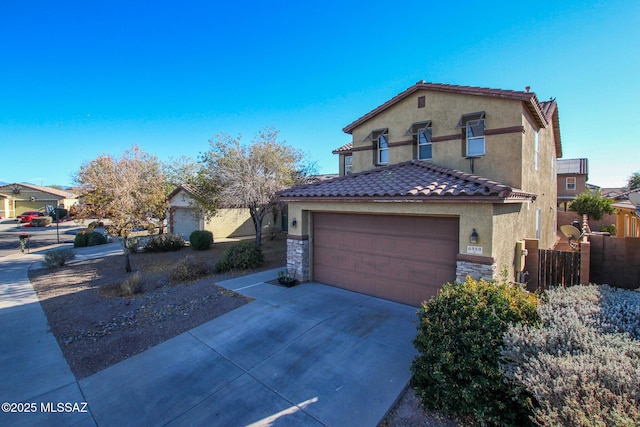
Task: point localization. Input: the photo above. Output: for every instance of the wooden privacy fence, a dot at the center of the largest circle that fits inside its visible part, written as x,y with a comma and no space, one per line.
557,268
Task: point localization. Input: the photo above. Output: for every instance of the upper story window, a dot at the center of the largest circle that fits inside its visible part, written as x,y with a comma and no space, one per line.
421,133
474,124
380,140
475,138
424,144
535,148
571,183
382,149
348,159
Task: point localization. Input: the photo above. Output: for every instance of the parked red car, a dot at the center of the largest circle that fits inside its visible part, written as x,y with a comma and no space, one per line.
28,216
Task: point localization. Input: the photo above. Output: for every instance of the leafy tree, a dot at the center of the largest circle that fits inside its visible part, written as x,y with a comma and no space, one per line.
182,170
591,204
634,181
128,189
249,175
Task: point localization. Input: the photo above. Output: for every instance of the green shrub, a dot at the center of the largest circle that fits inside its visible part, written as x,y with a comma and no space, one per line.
81,240
58,257
460,331
94,239
41,221
582,366
611,229
201,240
89,238
241,256
59,213
164,243
188,268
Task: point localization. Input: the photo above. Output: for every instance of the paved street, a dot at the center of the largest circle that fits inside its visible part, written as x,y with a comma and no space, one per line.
40,236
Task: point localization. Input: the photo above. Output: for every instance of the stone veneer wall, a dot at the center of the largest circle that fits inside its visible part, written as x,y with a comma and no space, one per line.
475,270
298,258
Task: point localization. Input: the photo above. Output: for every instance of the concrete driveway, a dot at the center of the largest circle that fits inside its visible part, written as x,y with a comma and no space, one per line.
308,355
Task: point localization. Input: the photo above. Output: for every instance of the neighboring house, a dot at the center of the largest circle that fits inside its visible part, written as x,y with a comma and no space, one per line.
184,217
439,182
5,206
572,181
627,221
19,198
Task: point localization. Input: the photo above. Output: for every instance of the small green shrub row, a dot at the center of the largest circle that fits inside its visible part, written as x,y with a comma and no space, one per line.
201,240
164,243
582,366
460,331
187,269
89,238
241,256
58,257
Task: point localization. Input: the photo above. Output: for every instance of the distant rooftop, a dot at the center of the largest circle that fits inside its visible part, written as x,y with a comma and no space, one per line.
573,166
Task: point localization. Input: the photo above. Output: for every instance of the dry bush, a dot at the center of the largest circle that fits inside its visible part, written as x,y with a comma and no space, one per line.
582,366
133,285
58,257
187,269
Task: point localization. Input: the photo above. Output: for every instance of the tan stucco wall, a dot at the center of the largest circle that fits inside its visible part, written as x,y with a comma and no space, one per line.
509,158
581,185
22,202
231,223
6,208
478,216
444,110
627,223
499,226
227,222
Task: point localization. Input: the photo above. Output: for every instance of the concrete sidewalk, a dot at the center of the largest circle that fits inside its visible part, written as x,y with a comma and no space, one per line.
308,355
33,370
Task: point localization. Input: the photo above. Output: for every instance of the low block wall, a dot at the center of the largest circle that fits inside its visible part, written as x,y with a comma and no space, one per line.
568,217
615,261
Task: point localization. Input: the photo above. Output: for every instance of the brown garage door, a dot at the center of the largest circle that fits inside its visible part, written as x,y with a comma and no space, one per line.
401,258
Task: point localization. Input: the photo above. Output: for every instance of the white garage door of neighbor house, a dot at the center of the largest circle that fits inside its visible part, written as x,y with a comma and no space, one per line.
401,258
185,221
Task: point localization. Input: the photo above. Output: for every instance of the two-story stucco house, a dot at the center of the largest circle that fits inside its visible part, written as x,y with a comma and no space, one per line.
438,182
572,180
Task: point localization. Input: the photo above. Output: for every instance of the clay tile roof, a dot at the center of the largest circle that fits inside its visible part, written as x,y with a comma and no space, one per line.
49,190
344,149
414,180
189,189
529,98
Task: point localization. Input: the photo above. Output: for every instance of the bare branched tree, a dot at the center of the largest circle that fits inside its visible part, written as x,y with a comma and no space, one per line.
129,190
250,175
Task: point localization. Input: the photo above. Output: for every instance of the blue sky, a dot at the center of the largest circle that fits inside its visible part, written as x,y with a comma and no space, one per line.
83,78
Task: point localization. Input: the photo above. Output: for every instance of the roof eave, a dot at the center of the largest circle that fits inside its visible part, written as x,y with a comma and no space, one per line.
529,98
395,199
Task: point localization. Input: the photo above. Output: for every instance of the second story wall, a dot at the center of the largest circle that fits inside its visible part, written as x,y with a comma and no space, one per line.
506,131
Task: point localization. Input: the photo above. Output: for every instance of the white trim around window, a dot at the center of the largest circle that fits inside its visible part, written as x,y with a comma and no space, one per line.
571,183
348,161
383,149
475,138
424,144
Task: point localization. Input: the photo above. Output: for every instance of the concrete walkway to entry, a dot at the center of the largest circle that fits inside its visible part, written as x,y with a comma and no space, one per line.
308,355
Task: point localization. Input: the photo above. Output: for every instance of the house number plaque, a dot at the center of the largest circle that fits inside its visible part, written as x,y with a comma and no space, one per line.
474,250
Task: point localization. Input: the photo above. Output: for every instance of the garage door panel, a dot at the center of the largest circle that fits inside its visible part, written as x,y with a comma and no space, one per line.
405,259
